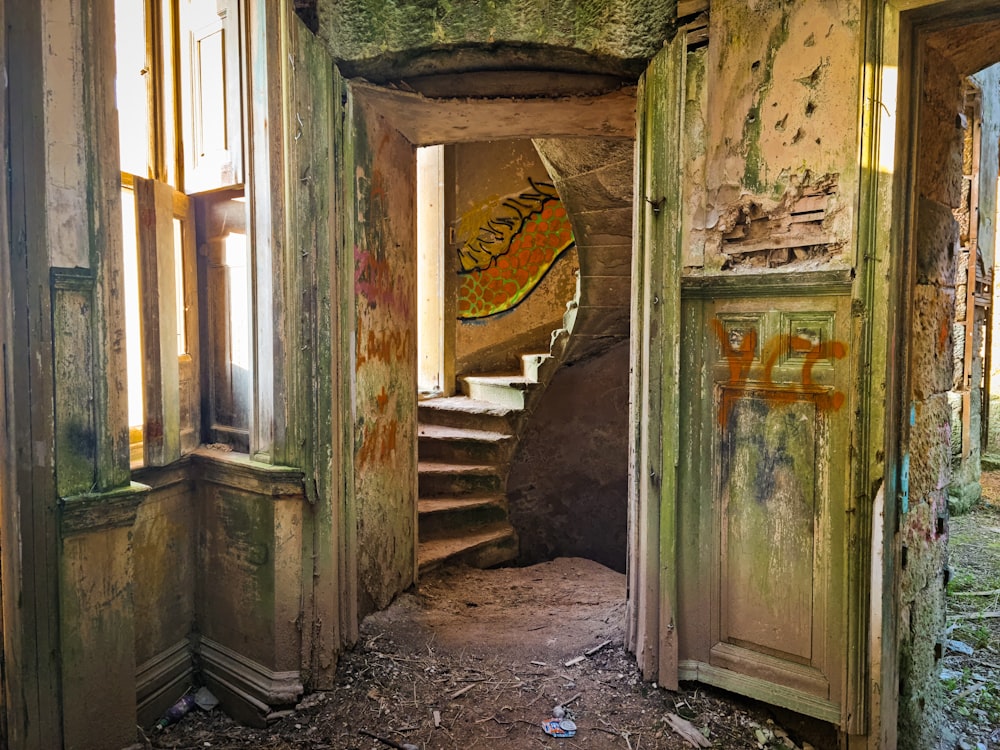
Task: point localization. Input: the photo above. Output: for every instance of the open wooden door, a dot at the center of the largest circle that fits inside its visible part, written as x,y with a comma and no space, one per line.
764,485
740,471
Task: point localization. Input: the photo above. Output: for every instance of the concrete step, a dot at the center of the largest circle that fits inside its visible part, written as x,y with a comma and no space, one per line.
505,390
482,547
443,479
443,516
462,411
462,445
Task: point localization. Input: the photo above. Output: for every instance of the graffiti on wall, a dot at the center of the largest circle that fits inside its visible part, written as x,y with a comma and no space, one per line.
739,347
512,250
384,341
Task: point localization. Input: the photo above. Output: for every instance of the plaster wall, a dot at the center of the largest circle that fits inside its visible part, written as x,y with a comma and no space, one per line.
385,357
484,175
568,485
779,171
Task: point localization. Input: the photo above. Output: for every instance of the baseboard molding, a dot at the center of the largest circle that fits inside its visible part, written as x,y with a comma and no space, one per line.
249,691
161,680
796,700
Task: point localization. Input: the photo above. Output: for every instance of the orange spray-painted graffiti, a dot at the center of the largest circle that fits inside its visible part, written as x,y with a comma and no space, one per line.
739,351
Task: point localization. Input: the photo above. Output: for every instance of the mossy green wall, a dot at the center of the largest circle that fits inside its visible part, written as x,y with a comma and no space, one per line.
385,37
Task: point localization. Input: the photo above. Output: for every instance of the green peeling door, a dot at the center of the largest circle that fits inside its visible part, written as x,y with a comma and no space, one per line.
740,433
763,488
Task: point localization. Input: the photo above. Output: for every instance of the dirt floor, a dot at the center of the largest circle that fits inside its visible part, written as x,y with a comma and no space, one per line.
478,659
970,668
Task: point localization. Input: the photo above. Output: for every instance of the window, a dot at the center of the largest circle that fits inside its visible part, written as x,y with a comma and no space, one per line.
180,124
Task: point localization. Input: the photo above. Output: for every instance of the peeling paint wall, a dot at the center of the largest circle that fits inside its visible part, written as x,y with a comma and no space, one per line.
780,168
385,360
485,174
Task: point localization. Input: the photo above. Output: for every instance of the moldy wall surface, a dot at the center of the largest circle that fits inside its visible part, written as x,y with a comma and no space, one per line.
383,40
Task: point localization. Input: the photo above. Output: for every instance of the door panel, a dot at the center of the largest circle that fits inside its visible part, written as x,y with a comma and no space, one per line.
764,537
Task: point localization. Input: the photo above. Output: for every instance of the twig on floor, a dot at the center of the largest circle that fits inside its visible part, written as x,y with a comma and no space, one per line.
598,647
462,691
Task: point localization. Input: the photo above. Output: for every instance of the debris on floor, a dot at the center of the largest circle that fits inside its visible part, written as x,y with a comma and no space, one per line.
435,673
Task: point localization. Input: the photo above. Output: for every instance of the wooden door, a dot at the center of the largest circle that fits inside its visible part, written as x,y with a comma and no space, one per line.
763,490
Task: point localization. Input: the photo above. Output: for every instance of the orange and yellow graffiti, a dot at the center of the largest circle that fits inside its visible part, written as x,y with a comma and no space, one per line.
512,252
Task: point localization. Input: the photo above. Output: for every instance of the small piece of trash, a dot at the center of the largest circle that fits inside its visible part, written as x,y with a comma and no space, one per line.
950,674
204,699
559,728
959,647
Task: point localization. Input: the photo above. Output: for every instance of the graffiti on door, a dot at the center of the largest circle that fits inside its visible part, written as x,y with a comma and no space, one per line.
740,348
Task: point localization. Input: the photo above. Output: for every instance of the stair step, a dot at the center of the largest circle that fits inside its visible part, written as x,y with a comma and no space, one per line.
462,444
439,479
462,411
443,516
482,547
506,390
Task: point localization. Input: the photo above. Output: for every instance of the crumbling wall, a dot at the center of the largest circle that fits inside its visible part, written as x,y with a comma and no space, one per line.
966,396
923,530
779,169
496,184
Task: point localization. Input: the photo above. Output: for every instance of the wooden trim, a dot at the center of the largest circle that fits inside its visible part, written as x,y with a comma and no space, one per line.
96,512
258,686
345,514
266,227
159,680
807,284
654,452
158,308
240,471
30,567
741,684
